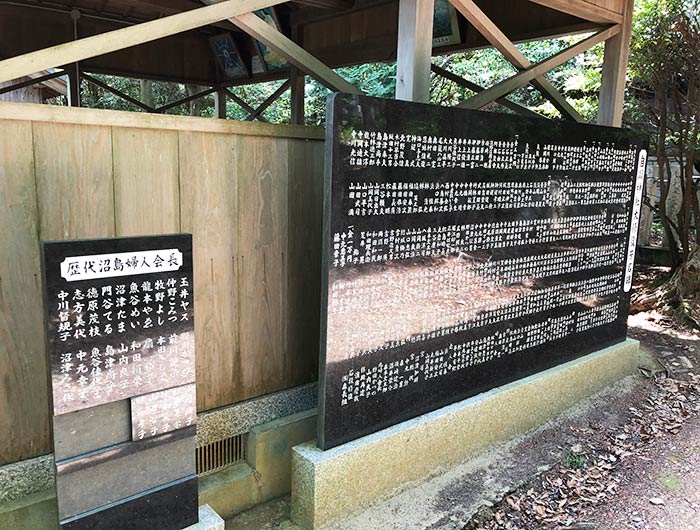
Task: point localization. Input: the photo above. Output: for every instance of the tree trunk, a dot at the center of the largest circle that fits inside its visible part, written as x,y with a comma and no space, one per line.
683,296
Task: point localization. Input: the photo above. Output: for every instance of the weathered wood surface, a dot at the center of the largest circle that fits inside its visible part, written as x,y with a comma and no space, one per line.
146,182
252,203
23,383
209,201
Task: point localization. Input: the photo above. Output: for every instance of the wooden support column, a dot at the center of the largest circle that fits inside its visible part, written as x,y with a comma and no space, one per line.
612,89
220,101
297,78
414,50
74,79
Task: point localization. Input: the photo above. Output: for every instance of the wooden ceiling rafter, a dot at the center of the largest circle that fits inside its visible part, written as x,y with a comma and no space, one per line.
583,10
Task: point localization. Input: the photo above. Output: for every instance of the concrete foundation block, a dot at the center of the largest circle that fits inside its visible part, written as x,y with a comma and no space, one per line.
230,491
270,451
330,485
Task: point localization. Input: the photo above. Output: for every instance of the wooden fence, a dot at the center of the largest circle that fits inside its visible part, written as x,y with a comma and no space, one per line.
251,195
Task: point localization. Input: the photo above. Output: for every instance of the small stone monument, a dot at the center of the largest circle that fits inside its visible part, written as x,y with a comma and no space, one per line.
120,342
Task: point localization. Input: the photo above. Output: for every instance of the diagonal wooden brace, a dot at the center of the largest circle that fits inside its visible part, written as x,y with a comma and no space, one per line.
521,79
270,100
504,102
498,39
111,41
295,54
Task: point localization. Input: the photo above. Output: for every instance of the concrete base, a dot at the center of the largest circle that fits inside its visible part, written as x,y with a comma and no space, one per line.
208,520
266,474
330,485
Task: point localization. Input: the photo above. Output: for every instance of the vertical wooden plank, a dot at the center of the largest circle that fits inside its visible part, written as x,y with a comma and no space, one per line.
304,271
74,180
146,186
616,57
414,50
262,240
209,205
23,382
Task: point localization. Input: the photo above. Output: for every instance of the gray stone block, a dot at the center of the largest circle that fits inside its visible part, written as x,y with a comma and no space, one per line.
87,430
208,520
84,484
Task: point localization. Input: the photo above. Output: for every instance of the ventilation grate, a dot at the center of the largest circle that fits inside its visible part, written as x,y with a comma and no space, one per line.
221,454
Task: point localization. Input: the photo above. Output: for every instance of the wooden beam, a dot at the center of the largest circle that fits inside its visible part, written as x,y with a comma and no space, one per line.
220,101
504,102
612,88
118,93
297,95
337,5
295,54
414,50
583,9
269,101
238,101
31,81
74,80
521,79
81,49
502,43
185,100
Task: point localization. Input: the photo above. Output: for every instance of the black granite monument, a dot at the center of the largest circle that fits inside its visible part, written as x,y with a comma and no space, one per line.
464,250
120,342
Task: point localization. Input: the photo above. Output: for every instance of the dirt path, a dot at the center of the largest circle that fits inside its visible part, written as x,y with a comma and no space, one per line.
641,470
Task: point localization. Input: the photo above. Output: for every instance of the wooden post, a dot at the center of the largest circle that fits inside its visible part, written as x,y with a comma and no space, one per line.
146,92
298,80
220,100
73,85
414,50
612,89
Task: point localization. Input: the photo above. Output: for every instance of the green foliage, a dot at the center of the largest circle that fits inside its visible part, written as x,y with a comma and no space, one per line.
665,105
574,460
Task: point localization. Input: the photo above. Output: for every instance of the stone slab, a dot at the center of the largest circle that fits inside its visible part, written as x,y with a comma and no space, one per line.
26,477
329,485
87,430
240,418
208,520
90,482
169,507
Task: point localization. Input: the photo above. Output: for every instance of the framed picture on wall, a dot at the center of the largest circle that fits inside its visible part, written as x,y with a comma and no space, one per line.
445,24
228,56
271,60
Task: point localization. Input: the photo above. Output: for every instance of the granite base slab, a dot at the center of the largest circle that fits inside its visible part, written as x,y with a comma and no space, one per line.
208,520
330,485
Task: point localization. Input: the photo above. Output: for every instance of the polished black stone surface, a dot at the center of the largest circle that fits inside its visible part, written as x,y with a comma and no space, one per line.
124,329
464,250
120,341
172,507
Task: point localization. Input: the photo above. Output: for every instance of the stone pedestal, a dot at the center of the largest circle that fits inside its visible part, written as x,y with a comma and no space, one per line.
330,485
208,520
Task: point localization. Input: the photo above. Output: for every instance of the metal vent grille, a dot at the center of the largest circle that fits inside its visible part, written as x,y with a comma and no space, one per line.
221,454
